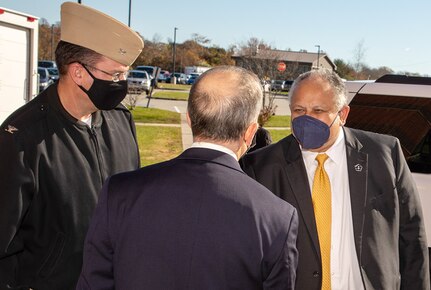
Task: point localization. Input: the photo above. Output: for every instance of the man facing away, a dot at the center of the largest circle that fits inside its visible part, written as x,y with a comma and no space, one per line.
196,221
57,150
361,224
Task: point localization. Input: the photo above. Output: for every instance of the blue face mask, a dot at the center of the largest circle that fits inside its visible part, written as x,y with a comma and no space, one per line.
310,132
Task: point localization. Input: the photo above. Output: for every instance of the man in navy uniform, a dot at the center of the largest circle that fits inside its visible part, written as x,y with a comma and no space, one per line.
57,150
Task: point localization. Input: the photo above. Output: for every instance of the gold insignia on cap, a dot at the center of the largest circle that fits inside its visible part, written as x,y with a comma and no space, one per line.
90,28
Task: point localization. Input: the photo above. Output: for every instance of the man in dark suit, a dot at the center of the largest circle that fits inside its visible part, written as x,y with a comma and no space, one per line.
197,221
374,237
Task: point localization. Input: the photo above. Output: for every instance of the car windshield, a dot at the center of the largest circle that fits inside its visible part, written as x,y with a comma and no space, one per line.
140,75
149,70
46,64
420,160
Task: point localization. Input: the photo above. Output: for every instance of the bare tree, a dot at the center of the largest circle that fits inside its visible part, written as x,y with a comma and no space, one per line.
359,57
260,58
131,99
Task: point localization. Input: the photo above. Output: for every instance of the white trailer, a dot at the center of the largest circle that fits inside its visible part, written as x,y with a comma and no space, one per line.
19,34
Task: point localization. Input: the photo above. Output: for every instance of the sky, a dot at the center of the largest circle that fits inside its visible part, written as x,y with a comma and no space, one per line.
392,33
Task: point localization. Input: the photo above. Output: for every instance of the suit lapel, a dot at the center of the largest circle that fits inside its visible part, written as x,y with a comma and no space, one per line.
298,180
357,167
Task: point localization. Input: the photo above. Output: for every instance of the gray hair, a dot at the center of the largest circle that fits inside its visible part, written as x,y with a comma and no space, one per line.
224,112
330,77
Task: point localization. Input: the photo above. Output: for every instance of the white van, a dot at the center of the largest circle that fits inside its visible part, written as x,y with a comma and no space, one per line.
400,106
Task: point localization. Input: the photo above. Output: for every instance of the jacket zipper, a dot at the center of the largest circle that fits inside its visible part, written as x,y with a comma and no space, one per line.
98,155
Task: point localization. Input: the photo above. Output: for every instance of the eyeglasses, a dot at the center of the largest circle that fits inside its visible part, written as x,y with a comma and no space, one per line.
115,76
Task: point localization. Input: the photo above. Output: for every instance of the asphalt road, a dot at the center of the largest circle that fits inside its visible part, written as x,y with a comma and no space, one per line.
181,106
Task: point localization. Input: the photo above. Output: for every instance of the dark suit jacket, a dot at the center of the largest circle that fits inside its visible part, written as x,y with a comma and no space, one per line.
195,222
387,219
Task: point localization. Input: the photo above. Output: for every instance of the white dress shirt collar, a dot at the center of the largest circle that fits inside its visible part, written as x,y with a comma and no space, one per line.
335,152
213,146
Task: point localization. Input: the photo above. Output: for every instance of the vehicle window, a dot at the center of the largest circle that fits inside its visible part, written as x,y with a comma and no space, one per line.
149,70
53,72
420,161
42,73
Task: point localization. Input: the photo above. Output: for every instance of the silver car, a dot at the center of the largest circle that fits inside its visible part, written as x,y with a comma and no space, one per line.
138,81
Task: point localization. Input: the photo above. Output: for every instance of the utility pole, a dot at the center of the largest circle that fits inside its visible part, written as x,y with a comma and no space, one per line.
173,57
130,10
52,41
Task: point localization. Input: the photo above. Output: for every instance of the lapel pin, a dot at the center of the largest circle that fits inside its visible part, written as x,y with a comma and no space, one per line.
11,129
358,167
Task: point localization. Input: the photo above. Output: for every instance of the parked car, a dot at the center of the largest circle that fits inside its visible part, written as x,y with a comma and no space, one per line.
153,72
287,84
192,79
163,76
138,81
400,106
277,85
44,78
181,78
53,73
47,64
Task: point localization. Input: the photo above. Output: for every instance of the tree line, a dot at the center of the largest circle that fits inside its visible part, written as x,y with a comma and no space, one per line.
198,51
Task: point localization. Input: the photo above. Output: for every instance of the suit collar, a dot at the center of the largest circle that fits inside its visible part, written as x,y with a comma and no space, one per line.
210,155
357,164
298,179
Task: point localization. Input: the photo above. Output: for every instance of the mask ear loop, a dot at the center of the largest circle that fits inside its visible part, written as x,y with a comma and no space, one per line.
338,114
83,65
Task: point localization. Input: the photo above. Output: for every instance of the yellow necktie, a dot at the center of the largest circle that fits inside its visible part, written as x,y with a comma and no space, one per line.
321,196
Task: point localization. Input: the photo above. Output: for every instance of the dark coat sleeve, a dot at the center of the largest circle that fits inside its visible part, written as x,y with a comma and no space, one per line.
413,251
97,271
283,273
17,187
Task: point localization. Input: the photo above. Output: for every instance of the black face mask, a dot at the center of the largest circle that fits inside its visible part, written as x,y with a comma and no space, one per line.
105,95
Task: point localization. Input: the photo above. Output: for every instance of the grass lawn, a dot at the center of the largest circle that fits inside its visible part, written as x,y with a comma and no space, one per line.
277,135
157,144
172,95
152,115
278,121
173,87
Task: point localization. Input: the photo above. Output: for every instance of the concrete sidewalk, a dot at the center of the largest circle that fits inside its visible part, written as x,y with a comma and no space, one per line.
186,132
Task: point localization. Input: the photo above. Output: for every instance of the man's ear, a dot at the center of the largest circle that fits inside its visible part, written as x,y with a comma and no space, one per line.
344,113
250,132
75,72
